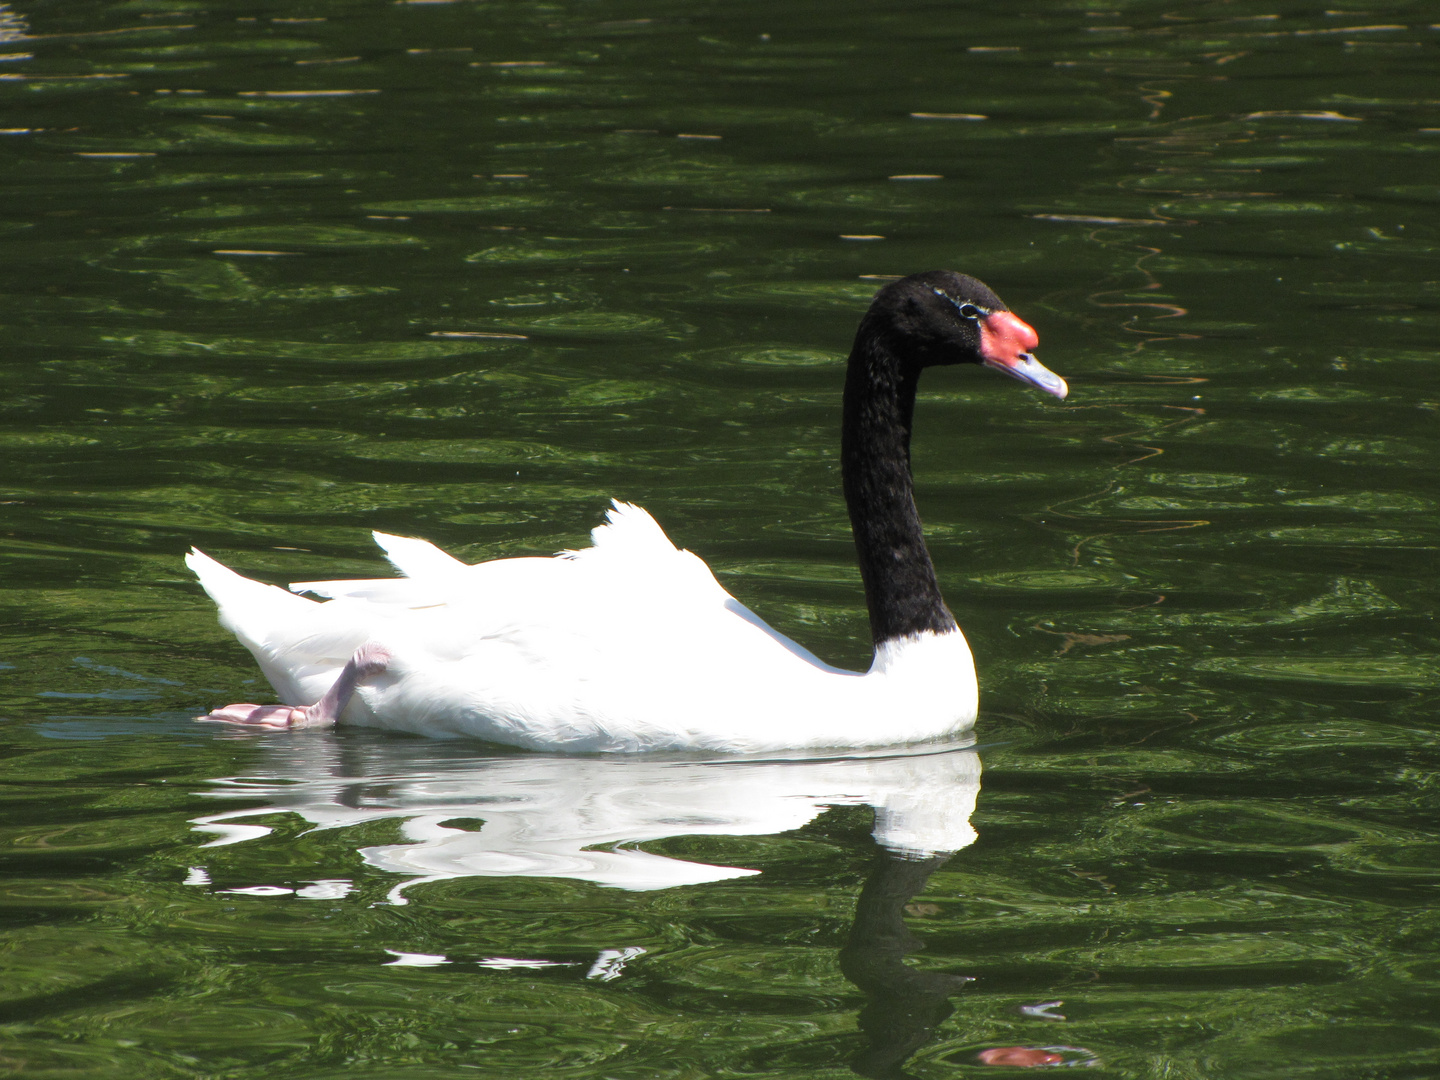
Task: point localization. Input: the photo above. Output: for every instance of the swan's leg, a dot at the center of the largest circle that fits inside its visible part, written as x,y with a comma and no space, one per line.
369,659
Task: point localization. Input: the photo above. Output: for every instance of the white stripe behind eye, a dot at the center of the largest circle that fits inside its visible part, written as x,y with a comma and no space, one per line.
982,312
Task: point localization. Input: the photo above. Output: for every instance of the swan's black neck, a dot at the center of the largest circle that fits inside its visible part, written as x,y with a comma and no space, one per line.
900,586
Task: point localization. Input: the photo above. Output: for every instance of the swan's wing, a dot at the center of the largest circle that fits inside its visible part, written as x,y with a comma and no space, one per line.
368,588
433,577
426,582
417,558
630,621
667,601
629,533
630,552
401,592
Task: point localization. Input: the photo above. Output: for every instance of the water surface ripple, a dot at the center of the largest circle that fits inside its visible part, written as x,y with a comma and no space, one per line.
277,274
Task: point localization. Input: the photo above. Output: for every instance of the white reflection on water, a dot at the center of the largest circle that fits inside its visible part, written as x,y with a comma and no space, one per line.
584,817
13,26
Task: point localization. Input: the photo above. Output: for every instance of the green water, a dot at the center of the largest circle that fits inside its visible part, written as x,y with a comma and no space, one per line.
275,275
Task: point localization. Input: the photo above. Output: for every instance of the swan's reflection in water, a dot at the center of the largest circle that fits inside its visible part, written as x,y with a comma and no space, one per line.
582,817
906,1005
545,816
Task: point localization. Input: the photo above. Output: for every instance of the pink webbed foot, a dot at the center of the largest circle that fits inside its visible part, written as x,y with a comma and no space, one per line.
270,717
369,659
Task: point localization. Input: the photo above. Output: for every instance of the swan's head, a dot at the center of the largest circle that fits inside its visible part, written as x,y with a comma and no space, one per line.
941,317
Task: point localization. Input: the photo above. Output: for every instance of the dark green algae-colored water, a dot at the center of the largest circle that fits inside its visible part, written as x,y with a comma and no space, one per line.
275,275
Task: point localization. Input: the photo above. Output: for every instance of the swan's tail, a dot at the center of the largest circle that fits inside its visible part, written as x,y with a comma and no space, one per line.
247,608
299,644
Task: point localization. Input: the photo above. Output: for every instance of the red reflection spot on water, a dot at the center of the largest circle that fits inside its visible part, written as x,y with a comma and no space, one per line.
1019,1055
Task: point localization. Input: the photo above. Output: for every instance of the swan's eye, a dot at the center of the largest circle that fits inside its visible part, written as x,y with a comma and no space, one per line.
967,311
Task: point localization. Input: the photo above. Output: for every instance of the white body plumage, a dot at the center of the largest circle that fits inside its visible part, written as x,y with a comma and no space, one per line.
628,645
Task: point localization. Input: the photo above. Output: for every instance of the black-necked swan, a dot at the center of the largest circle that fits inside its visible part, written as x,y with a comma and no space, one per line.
631,644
